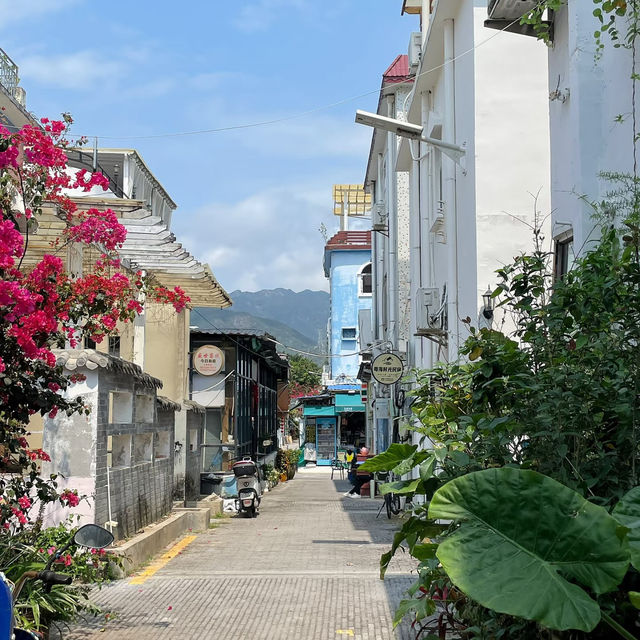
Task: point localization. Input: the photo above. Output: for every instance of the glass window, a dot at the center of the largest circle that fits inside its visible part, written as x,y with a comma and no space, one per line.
564,257
365,280
114,346
348,333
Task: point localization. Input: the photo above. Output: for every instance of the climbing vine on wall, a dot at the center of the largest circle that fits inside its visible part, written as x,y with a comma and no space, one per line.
618,21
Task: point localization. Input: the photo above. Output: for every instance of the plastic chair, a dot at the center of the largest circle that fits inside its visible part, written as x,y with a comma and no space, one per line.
337,465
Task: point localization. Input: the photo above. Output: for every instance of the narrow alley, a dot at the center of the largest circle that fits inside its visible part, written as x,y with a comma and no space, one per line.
306,568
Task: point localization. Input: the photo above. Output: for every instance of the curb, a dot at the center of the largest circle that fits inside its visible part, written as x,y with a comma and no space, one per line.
141,548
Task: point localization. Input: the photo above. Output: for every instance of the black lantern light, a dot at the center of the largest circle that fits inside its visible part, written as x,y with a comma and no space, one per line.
487,302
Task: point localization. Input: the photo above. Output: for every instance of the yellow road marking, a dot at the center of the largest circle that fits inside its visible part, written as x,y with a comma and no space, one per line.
346,632
155,566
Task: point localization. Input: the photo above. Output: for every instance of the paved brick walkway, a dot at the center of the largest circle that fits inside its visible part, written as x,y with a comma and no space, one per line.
305,568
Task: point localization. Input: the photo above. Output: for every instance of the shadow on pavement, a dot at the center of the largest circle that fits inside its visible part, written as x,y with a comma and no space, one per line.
366,514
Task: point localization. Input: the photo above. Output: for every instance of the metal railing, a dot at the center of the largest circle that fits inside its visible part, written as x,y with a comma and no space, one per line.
8,73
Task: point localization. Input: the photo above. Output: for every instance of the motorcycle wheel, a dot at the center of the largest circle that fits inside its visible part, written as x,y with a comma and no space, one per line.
254,512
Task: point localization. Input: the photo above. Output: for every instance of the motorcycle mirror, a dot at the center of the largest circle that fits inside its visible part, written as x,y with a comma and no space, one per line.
93,537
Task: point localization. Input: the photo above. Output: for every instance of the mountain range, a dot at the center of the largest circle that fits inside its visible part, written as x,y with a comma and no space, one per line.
296,319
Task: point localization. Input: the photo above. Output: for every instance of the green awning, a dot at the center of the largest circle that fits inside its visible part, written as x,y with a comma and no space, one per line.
348,403
312,411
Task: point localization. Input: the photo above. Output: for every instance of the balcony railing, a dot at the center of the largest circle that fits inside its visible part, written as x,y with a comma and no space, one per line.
8,73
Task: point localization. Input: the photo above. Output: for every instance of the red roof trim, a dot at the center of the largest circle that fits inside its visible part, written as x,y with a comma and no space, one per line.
355,240
398,70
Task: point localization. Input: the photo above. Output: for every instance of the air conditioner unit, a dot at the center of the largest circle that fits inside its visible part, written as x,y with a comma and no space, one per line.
378,217
427,305
510,9
415,51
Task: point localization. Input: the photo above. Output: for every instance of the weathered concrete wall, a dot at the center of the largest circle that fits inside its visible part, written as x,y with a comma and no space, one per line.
71,442
166,340
195,432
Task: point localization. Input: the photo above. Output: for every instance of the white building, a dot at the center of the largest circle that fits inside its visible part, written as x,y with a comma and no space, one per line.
591,117
452,218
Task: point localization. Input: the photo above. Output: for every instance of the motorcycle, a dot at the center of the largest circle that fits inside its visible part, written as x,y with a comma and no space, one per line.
249,488
90,535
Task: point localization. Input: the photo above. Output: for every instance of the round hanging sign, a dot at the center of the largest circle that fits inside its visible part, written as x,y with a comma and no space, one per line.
387,368
208,360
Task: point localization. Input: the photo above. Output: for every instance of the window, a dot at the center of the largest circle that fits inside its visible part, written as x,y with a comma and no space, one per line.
119,451
348,333
114,346
144,408
142,448
161,445
365,281
563,255
120,407
89,343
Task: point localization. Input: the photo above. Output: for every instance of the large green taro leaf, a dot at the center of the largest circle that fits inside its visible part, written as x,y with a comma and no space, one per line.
399,458
520,535
627,513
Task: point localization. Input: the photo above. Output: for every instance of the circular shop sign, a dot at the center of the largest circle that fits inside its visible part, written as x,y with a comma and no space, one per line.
208,360
387,368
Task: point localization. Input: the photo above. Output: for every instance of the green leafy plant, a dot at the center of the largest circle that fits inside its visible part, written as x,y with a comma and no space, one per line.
561,397
522,541
31,550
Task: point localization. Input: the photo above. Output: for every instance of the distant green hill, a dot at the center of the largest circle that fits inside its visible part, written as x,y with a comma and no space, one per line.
308,310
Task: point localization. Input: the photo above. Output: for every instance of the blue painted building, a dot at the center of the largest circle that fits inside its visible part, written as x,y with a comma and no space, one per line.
337,419
347,264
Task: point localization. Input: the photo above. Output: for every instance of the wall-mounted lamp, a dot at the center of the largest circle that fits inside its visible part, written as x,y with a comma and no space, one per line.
177,447
411,131
487,304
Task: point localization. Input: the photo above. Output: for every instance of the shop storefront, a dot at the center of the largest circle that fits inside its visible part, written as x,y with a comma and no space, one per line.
337,423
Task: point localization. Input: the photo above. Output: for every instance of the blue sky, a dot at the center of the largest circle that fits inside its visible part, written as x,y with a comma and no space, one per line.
250,201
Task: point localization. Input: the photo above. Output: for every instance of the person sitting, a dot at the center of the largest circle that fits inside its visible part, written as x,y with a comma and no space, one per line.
361,477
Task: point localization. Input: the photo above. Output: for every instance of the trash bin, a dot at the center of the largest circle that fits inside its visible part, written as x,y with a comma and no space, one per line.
209,484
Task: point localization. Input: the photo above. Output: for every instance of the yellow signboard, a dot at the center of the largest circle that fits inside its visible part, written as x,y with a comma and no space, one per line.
351,200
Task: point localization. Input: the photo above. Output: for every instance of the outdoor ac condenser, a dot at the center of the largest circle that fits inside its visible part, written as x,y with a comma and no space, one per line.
378,217
509,9
427,304
415,51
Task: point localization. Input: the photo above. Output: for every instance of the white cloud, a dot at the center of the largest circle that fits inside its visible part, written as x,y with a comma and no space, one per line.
305,135
12,12
269,239
79,70
260,14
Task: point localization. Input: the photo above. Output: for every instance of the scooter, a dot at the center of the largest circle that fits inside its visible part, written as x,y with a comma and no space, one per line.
90,535
249,489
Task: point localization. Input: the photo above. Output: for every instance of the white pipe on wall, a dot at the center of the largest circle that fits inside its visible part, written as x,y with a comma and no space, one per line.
449,179
393,230
414,256
381,244
374,270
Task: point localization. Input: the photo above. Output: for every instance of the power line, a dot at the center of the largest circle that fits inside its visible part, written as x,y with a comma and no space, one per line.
301,114
309,353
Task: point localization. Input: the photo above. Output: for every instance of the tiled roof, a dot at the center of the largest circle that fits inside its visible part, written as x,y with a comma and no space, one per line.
74,359
398,71
194,406
167,405
354,240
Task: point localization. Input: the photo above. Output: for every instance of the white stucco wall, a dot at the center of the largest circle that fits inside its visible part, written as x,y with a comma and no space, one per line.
512,147
70,441
586,137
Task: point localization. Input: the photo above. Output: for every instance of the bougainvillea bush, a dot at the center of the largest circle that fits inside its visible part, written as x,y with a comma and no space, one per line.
44,307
